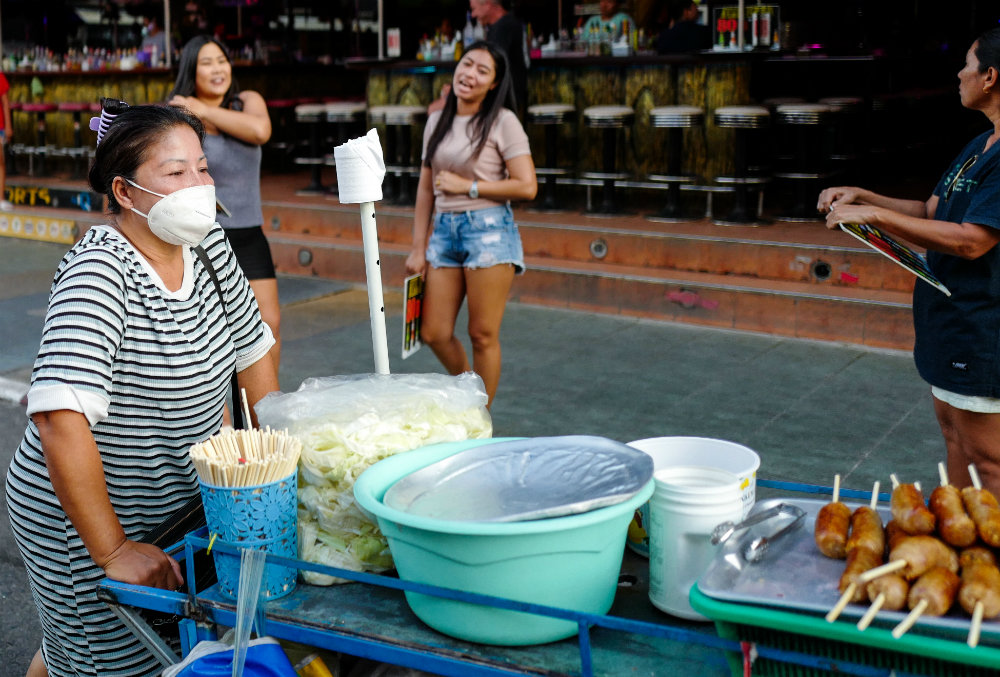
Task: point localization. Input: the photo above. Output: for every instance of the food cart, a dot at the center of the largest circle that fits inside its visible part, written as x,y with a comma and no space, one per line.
368,617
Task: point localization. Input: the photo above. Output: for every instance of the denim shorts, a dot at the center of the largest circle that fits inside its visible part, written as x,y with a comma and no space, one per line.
476,239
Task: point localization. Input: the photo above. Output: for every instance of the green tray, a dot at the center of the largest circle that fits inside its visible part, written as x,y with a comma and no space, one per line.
876,647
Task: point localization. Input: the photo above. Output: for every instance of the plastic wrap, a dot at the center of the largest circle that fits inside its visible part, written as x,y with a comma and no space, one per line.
347,423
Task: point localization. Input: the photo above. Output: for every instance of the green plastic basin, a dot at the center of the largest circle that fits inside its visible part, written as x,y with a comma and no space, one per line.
568,562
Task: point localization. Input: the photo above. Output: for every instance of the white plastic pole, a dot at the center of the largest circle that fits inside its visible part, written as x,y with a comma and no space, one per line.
741,15
168,56
373,272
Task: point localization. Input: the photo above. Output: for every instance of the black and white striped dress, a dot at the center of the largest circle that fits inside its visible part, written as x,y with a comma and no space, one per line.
150,369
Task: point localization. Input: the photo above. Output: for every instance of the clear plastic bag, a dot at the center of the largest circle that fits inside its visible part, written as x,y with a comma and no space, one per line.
347,423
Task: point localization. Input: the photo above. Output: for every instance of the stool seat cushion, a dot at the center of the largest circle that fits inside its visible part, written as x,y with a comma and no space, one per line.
345,107
608,112
743,111
73,106
776,101
397,114
803,108
677,110
38,107
843,103
310,109
551,109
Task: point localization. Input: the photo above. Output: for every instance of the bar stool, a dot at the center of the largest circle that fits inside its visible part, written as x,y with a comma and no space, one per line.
346,119
747,123
40,149
610,119
399,121
808,166
550,116
675,119
844,132
281,145
77,152
312,116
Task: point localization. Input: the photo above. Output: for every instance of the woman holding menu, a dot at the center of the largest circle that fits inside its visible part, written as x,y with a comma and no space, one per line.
957,349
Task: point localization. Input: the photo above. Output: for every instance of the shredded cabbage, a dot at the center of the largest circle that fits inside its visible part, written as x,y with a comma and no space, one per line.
345,425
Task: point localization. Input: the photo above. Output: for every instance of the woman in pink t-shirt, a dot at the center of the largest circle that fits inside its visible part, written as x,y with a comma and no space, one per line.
476,159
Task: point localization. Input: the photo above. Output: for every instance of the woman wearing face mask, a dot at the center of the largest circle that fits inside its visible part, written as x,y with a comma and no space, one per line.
476,159
237,125
133,368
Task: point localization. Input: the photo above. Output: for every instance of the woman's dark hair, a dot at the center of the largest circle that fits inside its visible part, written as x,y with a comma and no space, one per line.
187,68
126,144
988,50
482,122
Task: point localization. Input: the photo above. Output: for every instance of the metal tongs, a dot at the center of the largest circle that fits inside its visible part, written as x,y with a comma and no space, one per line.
753,550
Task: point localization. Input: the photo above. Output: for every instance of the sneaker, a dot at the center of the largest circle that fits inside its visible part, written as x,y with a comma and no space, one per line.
6,206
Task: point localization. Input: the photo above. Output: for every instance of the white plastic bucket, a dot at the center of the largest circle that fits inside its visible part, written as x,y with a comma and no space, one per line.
687,504
668,452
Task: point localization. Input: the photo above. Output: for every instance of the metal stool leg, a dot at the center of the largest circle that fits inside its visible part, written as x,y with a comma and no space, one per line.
78,150
672,208
740,212
551,160
404,162
610,152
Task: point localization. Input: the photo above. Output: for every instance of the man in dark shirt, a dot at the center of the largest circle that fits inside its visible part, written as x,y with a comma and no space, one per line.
506,31
686,34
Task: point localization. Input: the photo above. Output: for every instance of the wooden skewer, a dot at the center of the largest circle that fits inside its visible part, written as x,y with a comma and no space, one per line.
916,485
836,488
875,495
895,480
869,616
246,406
841,603
888,568
976,626
943,474
974,474
912,618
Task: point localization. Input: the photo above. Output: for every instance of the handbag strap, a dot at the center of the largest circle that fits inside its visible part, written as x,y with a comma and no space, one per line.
237,410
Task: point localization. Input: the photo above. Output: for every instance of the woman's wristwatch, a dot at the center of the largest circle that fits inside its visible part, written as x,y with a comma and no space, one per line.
474,190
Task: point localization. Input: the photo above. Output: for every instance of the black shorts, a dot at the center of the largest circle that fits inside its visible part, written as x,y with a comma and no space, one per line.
253,253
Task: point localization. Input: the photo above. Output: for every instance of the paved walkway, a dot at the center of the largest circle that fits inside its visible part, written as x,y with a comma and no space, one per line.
809,409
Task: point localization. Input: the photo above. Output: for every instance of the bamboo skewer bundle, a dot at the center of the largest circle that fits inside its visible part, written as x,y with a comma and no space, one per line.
246,458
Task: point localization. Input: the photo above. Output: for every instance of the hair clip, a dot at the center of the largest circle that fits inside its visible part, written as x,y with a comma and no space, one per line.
110,108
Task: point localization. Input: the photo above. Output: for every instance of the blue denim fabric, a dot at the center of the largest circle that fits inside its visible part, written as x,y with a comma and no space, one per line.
475,239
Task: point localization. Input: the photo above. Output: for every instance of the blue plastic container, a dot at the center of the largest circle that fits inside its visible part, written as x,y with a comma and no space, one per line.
568,562
263,517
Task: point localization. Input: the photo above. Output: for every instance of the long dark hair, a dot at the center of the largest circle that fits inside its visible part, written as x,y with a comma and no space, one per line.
501,96
187,68
988,50
125,146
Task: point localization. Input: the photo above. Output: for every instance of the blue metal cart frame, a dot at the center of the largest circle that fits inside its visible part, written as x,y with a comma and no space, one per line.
369,618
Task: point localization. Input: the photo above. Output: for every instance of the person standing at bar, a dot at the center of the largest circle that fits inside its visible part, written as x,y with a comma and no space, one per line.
685,33
956,349
476,159
609,20
236,125
507,32
6,131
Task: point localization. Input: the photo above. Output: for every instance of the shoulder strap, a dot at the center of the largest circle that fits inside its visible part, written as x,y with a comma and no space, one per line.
237,409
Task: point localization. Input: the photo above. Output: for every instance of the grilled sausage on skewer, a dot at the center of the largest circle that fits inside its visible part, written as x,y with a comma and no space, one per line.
954,525
866,531
908,509
984,511
922,553
830,533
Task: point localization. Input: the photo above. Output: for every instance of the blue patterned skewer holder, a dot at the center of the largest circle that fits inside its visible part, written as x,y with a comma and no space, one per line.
262,517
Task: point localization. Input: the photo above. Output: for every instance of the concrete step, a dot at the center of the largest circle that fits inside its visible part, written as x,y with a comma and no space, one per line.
876,318
794,254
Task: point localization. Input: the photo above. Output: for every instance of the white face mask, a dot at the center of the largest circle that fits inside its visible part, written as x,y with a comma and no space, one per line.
182,217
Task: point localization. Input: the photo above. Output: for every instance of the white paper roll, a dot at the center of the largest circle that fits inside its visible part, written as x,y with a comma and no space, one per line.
360,169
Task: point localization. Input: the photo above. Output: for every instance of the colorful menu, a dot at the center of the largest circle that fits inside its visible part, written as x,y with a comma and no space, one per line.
413,290
901,254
